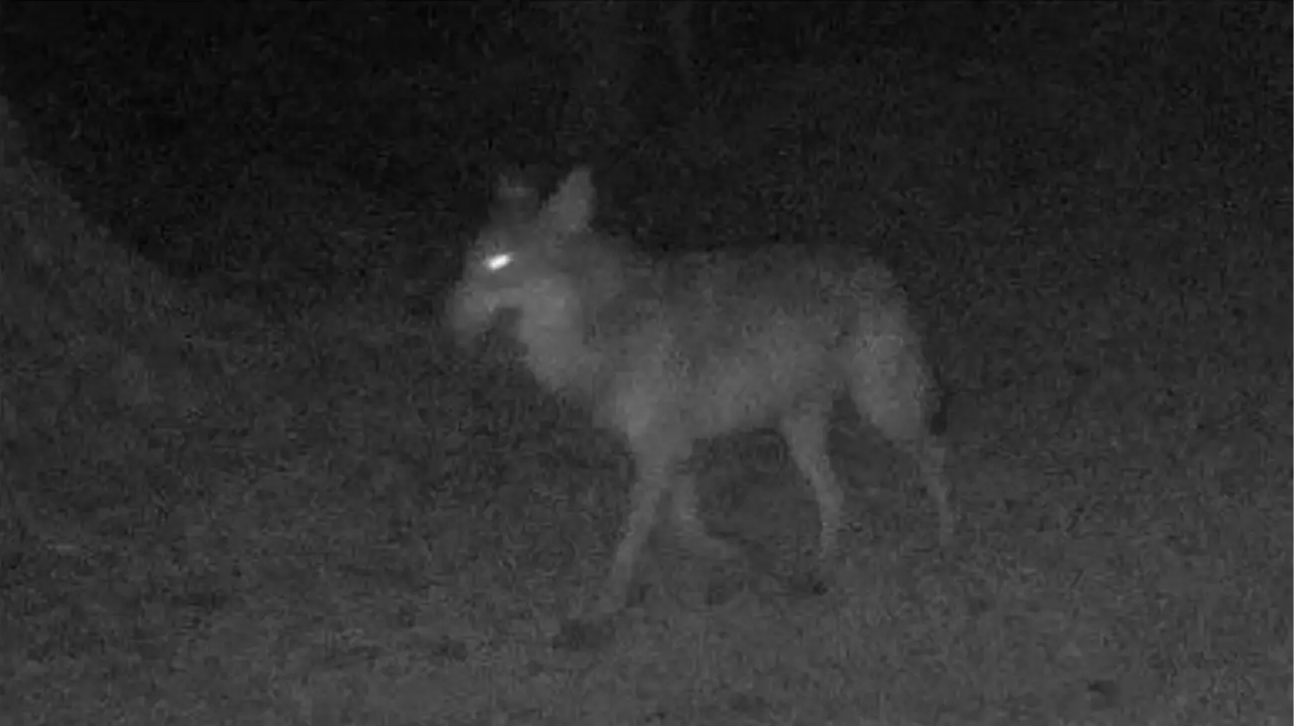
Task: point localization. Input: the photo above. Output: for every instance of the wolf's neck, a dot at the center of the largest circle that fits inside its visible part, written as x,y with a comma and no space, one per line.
557,351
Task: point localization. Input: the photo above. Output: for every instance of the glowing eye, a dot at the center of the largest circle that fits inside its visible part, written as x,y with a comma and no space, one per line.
494,263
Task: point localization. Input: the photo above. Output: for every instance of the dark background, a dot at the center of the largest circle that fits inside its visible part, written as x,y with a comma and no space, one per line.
204,135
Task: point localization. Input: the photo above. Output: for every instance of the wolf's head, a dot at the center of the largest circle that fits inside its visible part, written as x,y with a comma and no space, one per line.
526,259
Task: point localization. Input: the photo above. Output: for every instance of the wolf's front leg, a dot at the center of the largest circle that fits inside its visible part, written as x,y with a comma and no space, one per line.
597,628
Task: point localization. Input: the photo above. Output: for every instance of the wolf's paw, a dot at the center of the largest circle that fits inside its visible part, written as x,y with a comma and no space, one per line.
701,544
809,584
725,583
947,531
585,634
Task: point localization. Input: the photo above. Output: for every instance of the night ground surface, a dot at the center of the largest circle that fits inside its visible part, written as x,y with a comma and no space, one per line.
250,481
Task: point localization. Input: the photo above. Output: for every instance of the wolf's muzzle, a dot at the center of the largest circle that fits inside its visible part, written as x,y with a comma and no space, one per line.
470,312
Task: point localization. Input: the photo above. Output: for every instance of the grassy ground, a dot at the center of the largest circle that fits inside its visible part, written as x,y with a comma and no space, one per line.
339,519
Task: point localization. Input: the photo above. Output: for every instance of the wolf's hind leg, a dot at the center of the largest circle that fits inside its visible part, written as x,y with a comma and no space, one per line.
805,431
893,390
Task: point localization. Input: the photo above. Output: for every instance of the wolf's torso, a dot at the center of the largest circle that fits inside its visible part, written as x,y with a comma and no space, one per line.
715,341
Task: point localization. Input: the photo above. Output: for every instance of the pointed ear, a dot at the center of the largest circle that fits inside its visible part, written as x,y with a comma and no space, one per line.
570,209
514,196
512,186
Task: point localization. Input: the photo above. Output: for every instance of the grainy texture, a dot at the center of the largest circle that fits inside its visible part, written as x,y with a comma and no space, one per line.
217,514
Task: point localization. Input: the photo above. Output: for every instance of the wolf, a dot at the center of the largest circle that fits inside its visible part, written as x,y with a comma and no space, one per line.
668,352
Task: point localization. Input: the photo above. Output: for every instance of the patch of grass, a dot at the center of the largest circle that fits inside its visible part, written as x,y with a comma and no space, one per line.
1142,612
